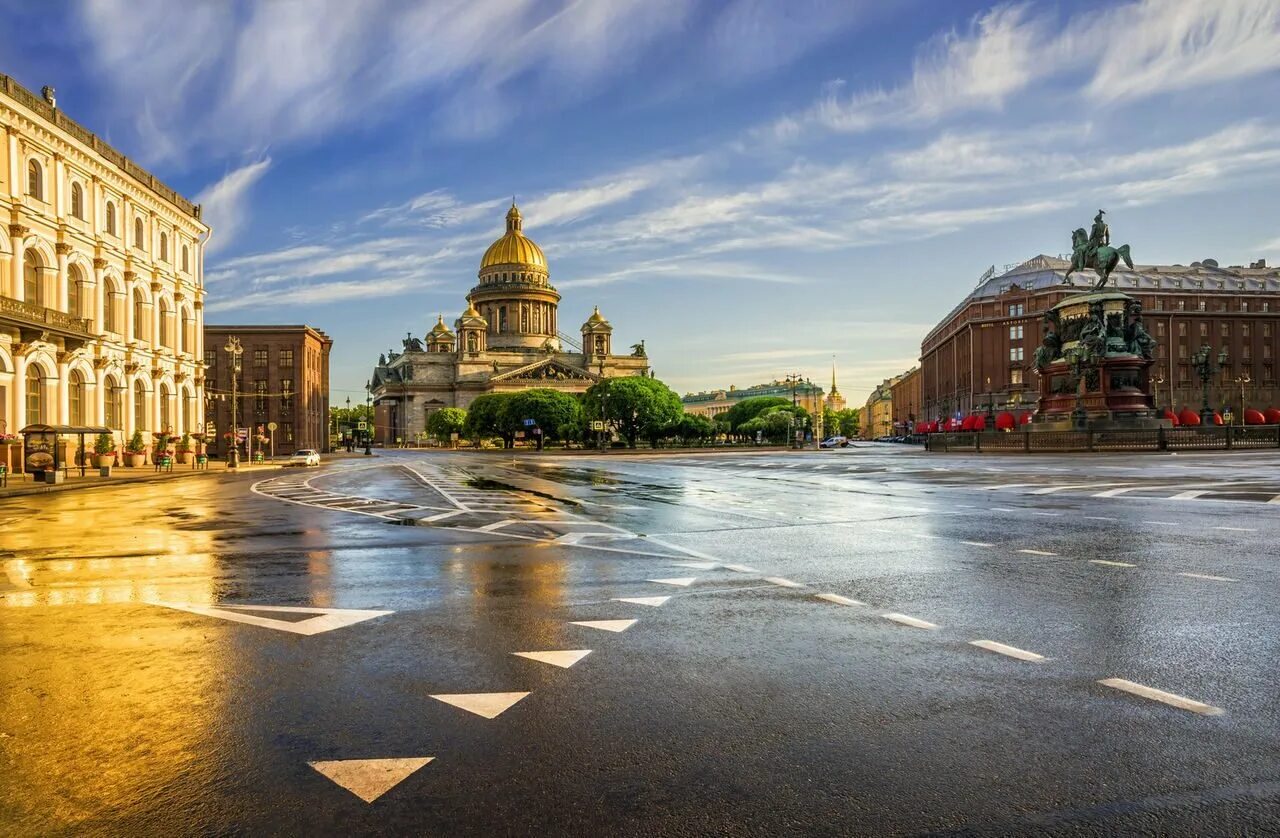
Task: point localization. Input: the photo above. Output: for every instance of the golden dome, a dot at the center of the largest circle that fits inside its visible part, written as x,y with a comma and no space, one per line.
471,311
514,248
596,317
440,328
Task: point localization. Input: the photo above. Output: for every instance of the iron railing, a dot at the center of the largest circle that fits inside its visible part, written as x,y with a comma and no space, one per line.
1224,437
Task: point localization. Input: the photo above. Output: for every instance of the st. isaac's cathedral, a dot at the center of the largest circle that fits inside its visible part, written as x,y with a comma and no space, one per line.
508,339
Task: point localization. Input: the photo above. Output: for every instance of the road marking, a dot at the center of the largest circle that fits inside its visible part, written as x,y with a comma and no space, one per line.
782,583
1011,651
563,659
1048,514
697,565
1098,518
1111,564
1209,577
1160,695
651,601
369,779
444,515
683,582
909,621
1002,509
1051,489
1008,486
1162,523
977,544
488,705
1236,529
606,625
1111,493
839,600
497,525
1192,495
1037,552
923,535
740,568
326,619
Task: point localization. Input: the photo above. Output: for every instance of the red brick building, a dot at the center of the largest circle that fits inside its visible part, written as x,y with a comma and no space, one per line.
984,349
284,378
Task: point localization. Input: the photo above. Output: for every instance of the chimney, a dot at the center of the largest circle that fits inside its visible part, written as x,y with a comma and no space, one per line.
50,95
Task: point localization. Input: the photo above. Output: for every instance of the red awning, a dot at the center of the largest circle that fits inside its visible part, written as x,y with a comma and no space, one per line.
1172,417
969,423
1273,416
1188,417
1025,419
1217,418
1005,421
1254,417
979,422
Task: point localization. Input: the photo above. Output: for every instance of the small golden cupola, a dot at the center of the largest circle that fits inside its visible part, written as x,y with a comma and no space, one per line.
471,331
440,339
597,336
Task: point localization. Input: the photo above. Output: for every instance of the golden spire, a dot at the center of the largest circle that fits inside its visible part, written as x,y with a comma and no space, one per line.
833,376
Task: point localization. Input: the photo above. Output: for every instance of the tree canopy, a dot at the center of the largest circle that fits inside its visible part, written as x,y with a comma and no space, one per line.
486,417
748,409
636,406
552,411
442,423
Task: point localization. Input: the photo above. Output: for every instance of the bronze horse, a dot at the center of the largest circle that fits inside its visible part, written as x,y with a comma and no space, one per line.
1103,260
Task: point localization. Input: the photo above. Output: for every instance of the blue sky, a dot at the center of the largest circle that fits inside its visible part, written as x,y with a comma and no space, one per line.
751,186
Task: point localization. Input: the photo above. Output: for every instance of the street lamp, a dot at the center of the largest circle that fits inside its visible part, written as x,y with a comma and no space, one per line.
1206,367
1242,380
368,406
794,379
1158,381
234,349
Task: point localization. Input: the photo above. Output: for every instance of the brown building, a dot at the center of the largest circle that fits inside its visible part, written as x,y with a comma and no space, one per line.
906,397
284,378
983,351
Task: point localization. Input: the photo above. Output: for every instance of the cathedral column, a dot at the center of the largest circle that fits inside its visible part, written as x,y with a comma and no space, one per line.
60,296
17,261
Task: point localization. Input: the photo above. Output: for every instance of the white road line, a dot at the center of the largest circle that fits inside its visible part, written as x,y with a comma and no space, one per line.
839,600
1152,693
740,568
1048,514
1051,489
1111,493
782,583
1008,486
1002,509
923,535
1236,529
1037,552
1209,577
909,621
977,544
1163,523
1098,518
1011,651
444,515
1111,564
496,525
1192,495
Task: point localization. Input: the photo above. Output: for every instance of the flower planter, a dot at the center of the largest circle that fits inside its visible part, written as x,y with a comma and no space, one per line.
135,460
186,458
105,460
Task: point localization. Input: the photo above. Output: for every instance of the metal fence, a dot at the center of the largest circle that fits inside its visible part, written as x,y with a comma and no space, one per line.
1225,437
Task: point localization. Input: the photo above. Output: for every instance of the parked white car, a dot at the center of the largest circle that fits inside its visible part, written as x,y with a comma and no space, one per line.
834,442
305,457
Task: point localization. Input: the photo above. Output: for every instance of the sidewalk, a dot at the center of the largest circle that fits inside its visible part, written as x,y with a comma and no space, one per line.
20,485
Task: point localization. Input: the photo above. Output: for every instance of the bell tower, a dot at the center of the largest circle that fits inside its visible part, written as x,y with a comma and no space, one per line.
597,337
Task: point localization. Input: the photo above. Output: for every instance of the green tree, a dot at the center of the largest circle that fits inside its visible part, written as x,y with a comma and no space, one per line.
848,422
446,421
692,428
552,411
487,417
778,423
748,409
635,406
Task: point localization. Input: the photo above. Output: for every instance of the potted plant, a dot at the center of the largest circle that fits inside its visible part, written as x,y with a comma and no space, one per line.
185,452
105,449
135,451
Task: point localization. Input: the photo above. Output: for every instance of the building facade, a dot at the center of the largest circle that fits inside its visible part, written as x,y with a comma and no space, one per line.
906,393
101,281
284,378
712,403
983,350
508,339
878,413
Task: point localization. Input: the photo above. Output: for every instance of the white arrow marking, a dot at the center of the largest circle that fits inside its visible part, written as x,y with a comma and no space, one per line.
652,601
326,619
369,779
563,659
680,583
489,705
606,625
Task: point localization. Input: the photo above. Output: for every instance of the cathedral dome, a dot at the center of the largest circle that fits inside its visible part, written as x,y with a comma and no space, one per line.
514,248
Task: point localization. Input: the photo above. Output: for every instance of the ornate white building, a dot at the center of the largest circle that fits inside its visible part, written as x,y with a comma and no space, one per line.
101,289
508,339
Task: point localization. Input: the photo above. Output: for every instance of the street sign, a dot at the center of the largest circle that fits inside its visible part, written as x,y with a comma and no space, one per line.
210,429
242,434
519,434
597,425
362,425
453,436
271,426
529,423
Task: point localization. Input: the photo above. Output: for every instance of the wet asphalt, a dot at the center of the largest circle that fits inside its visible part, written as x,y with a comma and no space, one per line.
743,705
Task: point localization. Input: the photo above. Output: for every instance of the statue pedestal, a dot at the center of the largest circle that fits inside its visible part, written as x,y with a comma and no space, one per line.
1114,388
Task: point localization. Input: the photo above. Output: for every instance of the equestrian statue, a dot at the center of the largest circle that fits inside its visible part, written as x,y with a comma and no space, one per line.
1095,251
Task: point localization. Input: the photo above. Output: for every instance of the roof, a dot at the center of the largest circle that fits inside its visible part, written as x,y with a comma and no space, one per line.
514,248
266,329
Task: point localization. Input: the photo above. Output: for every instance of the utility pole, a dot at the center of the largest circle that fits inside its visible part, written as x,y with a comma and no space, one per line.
368,406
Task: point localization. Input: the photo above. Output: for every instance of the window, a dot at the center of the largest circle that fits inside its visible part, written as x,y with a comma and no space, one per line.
1222,305
1183,373
139,406
1201,306
73,298
1015,333
259,357
1244,305
139,316
1182,351
1268,372
186,258
166,325
137,233
1266,350
164,247
288,433
260,395
1016,310
286,359
1226,330
111,218
1266,306
1266,330
76,397
1182,305
35,180
1182,330
111,404
32,282
1015,376
166,416
109,295
210,358
1159,303
1244,330
1246,351
1160,329
1204,330
1015,353
77,201
34,396
286,396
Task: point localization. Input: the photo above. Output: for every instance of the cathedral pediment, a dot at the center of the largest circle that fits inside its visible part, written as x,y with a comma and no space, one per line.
547,369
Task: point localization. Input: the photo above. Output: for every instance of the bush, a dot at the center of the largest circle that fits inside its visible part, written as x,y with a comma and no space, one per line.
136,444
104,445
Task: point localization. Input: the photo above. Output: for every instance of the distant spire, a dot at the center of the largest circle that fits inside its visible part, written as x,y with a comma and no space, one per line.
833,376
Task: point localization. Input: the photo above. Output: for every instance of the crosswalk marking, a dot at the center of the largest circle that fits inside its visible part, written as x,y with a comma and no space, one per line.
1111,563
839,600
683,582
651,601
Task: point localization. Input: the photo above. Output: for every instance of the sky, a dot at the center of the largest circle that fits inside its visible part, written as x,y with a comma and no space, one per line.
752,187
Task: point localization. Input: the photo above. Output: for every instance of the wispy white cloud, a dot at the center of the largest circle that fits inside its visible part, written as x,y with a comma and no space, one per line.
226,203
320,293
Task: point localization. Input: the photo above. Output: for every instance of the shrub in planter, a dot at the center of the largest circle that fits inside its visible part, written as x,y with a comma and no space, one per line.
135,450
105,449
186,453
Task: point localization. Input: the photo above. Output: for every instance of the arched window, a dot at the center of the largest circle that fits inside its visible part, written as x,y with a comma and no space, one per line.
77,201
139,406
76,398
35,180
111,218
74,278
32,281
186,258
137,233
166,415
164,246
113,403
139,316
109,297
35,398
166,324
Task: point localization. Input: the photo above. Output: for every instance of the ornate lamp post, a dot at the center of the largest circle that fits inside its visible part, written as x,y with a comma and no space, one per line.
1242,379
1206,367
368,434
234,349
1159,379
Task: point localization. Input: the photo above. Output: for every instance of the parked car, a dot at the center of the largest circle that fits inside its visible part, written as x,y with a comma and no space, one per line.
305,457
834,442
